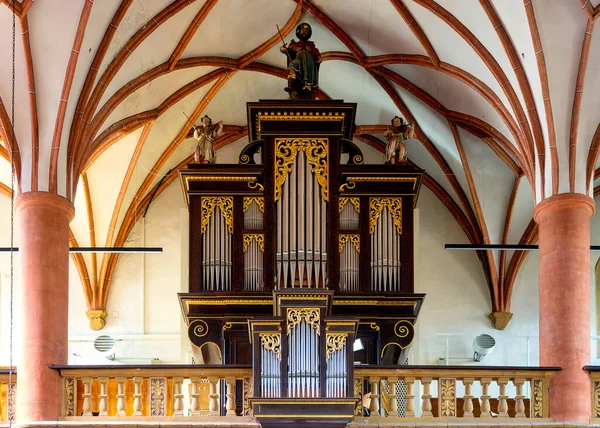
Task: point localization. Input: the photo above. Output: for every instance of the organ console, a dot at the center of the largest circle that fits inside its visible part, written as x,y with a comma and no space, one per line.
297,251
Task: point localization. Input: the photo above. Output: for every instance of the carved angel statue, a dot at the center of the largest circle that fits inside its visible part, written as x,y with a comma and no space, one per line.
205,135
395,151
304,60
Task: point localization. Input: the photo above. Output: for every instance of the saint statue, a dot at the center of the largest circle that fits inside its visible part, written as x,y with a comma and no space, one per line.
395,151
205,136
304,60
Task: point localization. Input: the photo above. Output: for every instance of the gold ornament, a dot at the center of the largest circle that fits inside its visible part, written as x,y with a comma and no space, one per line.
258,237
271,342
312,317
353,201
286,150
355,239
258,201
209,203
394,206
335,342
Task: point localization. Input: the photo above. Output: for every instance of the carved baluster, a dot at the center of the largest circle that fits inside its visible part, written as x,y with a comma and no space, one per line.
519,403
230,405
137,396
374,406
177,396
87,396
213,404
103,405
485,398
502,403
426,397
120,396
195,404
410,397
468,406
393,407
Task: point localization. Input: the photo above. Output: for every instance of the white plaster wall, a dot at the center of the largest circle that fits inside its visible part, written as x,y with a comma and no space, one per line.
458,300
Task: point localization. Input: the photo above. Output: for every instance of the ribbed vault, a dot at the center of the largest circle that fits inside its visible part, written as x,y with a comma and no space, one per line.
504,105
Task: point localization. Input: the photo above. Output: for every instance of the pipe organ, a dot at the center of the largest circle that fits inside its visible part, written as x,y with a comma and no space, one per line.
299,250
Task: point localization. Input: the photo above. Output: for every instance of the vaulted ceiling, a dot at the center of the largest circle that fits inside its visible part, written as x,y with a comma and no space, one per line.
503,95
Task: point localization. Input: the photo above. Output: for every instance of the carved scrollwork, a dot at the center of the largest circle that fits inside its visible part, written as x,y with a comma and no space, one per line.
258,237
271,342
258,201
247,391
198,328
538,398
311,316
158,387
354,201
394,206
335,342
355,239
358,393
403,328
208,206
69,396
286,150
448,397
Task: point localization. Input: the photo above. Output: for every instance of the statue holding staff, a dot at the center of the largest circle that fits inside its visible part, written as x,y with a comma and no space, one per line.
304,60
395,151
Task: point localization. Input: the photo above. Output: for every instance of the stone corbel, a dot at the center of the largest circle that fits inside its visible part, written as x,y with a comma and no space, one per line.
500,319
97,319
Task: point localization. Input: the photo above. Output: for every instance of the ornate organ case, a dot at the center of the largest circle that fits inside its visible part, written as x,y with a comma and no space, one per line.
301,212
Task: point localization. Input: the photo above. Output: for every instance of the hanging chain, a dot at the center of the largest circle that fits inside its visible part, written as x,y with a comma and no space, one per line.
11,386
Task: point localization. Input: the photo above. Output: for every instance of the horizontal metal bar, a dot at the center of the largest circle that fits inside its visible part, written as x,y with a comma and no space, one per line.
100,249
471,247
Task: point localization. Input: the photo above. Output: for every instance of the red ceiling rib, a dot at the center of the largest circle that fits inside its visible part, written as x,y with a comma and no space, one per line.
575,113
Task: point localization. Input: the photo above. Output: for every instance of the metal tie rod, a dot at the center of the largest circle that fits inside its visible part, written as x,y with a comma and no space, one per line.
472,247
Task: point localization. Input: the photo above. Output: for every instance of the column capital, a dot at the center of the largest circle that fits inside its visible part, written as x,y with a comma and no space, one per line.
564,202
45,200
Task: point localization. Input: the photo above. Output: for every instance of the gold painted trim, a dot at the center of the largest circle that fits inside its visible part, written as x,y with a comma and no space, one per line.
375,303
376,207
229,302
374,326
403,331
355,239
297,117
258,237
357,179
316,151
271,342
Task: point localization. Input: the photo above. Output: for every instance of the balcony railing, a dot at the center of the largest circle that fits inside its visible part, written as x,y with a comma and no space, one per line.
206,394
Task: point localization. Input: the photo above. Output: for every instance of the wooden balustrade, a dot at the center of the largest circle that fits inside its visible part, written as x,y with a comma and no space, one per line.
454,392
156,391
595,379
6,394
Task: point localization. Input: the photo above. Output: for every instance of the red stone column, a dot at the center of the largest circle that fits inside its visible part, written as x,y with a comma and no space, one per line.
564,264
43,239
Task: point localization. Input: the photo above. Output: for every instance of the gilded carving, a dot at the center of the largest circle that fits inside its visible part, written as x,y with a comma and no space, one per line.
354,201
358,393
11,402
69,396
596,399
247,391
538,398
311,316
394,206
258,201
403,328
335,342
448,397
355,239
209,204
158,386
374,326
297,117
353,180
286,150
200,328
258,237
271,342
